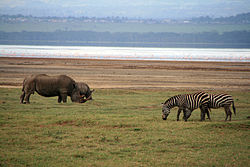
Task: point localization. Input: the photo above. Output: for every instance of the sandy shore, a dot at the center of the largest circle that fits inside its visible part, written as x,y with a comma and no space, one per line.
174,75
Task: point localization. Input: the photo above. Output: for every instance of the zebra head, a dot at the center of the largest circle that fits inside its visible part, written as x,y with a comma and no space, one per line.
165,112
170,103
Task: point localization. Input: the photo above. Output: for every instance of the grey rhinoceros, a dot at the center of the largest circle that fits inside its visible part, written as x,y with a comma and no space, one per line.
49,86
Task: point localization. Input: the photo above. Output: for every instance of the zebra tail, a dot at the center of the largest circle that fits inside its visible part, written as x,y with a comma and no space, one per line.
234,109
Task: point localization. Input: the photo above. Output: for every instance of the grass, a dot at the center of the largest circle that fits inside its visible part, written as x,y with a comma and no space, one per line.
118,128
123,27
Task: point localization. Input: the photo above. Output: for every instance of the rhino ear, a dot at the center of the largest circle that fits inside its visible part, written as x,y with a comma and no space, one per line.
92,90
75,85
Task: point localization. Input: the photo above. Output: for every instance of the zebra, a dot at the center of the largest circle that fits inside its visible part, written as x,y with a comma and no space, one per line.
187,103
222,100
217,101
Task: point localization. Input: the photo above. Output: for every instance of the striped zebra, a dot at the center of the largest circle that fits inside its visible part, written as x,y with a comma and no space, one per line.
222,100
187,103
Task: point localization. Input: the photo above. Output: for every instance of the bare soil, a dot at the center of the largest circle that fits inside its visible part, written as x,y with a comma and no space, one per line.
130,74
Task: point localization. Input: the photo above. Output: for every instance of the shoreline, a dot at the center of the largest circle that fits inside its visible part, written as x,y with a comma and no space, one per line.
127,53
90,59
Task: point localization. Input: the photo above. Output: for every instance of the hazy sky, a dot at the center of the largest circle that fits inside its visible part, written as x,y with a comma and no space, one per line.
126,8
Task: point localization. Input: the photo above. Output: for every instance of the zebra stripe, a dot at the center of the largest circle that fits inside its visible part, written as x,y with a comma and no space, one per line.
222,100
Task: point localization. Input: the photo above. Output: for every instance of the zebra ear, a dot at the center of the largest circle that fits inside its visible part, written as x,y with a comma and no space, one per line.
162,104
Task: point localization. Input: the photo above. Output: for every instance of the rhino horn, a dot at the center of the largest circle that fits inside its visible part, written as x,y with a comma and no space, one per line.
82,100
89,98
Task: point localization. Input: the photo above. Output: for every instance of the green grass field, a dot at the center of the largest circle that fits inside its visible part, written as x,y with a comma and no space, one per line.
123,27
119,128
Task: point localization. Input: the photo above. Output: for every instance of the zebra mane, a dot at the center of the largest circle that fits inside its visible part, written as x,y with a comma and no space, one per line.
172,98
178,96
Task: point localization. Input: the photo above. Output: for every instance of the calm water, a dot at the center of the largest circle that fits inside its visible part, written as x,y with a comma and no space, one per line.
126,53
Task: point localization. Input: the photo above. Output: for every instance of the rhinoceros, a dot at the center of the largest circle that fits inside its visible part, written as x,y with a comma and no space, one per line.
49,86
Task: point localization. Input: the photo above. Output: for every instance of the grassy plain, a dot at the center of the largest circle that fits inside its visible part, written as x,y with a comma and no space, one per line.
123,27
118,128
122,126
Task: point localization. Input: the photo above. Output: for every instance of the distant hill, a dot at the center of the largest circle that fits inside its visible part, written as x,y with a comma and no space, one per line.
238,19
200,32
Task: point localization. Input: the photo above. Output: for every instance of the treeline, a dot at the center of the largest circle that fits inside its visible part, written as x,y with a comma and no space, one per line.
243,18
236,39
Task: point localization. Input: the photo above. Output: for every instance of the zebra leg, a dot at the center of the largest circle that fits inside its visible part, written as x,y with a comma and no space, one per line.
178,114
188,113
226,115
229,113
203,113
202,116
208,114
185,115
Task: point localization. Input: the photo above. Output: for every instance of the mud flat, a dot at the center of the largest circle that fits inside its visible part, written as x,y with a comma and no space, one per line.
133,74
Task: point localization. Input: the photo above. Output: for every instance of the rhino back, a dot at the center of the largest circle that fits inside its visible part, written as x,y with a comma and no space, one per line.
54,85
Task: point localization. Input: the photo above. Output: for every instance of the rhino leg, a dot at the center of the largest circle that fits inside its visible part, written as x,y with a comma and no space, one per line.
27,97
59,99
22,97
64,97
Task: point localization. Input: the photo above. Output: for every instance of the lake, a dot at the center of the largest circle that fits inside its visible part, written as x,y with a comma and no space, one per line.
126,53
